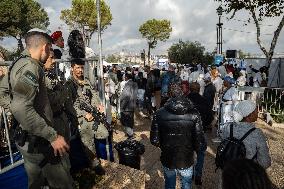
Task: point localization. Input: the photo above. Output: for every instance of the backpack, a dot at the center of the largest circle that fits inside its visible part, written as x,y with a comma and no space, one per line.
230,149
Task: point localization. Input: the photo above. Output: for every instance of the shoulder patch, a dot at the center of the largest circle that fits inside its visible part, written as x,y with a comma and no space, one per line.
30,77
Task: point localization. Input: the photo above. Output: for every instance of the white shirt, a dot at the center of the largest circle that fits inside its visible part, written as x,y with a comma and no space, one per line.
218,83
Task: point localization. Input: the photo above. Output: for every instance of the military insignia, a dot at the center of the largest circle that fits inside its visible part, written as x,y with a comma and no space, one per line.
30,78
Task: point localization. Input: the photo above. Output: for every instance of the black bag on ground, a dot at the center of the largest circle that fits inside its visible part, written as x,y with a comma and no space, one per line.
129,153
230,149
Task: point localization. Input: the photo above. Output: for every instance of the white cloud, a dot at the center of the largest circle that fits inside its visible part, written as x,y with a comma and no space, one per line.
193,20
126,43
49,10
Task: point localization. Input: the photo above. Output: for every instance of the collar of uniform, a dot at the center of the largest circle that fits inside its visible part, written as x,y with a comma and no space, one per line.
27,54
81,83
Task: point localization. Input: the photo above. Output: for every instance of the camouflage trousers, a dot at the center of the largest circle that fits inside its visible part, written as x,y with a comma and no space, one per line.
58,175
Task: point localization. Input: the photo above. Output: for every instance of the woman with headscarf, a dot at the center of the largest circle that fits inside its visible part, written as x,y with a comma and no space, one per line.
245,114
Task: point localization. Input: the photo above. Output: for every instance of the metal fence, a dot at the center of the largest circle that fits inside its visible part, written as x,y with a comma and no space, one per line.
269,100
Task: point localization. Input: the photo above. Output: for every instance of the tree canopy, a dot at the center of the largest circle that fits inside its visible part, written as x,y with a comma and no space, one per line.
258,10
189,53
19,16
84,13
154,31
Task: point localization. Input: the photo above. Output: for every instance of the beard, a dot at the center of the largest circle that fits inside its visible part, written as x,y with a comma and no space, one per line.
44,58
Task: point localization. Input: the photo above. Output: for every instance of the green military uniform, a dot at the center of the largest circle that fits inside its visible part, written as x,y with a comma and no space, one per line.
31,107
59,98
4,92
80,94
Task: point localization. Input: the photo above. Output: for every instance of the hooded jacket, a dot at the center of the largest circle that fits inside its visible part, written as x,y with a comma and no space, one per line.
177,130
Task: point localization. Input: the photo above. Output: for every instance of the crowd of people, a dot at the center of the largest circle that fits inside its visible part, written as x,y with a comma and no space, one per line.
48,103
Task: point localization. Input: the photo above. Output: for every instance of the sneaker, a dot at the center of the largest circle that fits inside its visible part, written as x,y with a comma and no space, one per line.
99,170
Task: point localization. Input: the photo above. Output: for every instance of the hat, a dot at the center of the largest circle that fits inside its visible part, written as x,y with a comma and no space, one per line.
56,35
37,30
229,79
243,109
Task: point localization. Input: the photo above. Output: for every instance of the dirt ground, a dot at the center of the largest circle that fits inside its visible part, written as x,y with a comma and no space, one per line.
150,162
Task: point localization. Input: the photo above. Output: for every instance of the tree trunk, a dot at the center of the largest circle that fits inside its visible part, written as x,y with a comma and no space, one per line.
277,32
149,53
274,41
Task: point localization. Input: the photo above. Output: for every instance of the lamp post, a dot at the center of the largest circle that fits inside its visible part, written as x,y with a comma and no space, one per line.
87,35
219,31
100,65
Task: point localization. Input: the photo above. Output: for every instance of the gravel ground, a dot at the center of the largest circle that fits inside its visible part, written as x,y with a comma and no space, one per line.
151,165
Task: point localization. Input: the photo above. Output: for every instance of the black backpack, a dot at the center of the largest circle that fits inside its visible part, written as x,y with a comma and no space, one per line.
230,149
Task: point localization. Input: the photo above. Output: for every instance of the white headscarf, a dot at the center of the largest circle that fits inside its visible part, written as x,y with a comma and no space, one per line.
243,109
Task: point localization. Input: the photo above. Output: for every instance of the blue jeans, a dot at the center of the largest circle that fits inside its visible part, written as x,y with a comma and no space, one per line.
200,160
185,175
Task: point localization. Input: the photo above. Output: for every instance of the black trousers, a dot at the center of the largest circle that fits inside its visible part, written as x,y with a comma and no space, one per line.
127,119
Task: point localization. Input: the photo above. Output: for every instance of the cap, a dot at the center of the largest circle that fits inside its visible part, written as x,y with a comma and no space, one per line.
37,30
229,79
56,35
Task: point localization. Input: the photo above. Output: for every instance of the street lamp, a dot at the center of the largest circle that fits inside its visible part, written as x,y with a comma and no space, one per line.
87,35
219,31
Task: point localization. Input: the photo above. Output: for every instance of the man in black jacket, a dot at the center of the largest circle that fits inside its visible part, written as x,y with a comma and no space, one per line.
177,130
206,113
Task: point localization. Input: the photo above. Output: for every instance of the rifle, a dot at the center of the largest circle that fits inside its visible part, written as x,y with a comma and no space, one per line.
98,116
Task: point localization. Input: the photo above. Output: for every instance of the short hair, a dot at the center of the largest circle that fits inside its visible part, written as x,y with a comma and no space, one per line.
128,75
77,61
34,39
194,87
245,174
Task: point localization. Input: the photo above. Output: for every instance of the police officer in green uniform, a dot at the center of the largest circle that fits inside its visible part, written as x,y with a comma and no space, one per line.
60,100
31,108
82,91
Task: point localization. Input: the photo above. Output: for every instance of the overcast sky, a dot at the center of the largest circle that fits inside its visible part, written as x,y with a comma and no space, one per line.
193,20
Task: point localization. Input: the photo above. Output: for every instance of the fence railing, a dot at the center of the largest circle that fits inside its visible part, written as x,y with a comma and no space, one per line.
268,100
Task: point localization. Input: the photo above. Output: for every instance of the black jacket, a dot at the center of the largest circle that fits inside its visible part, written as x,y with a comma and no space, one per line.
209,94
202,105
177,130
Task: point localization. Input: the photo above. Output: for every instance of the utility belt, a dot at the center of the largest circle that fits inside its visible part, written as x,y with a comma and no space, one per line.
37,145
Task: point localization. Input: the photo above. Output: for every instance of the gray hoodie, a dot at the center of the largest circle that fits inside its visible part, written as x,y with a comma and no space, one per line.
255,143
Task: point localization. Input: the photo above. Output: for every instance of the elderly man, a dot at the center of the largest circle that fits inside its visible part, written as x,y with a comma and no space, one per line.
177,131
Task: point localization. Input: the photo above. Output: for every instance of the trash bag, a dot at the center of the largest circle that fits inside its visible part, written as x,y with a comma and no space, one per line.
129,153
